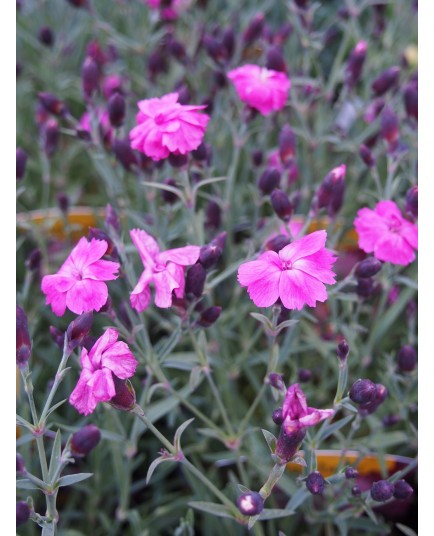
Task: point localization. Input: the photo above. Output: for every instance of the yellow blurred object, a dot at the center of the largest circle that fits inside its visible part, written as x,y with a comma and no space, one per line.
410,54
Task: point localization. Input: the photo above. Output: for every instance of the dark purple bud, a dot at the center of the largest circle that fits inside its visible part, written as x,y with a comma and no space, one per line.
407,358
90,74
200,153
355,63
391,420
343,350
288,444
368,267
315,483
275,60
21,468
24,345
350,472
331,190
46,36
331,35
367,156
389,126
99,234
402,490
382,491
219,240
281,204
210,255
220,79
257,157
277,243
124,154
365,287
385,81
250,504
157,63
228,42
111,218
380,397
63,202
302,4
411,204
57,336
50,136
184,96
277,416
269,180
276,381
177,50
287,144
283,33
209,316
85,440
363,391
116,109
213,215
178,160
195,280
304,375
356,491
214,48
411,100
23,513
254,29
169,197
77,3
78,329
373,111
125,397
21,163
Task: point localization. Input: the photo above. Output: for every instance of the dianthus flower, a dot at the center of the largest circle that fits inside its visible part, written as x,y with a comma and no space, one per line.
263,89
165,126
385,233
296,413
296,274
164,269
108,358
79,283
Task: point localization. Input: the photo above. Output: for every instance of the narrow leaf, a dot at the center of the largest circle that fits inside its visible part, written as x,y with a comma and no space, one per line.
211,508
332,428
274,513
179,432
153,466
68,480
263,319
270,439
56,455
297,499
406,530
243,489
252,521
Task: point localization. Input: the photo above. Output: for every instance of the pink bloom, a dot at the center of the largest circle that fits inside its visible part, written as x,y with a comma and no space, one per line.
263,89
165,126
296,274
164,269
107,357
79,283
104,126
297,414
385,233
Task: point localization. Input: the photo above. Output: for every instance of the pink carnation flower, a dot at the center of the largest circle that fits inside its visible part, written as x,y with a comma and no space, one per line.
79,283
385,233
297,414
296,274
107,357
164,269
165,126
263,89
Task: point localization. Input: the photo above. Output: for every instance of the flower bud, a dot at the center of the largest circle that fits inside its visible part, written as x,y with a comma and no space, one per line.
350,472
57,336
257,157
46,36
281,204
209,256
124,154
356,491
277,243
365,287
276,381
331,191
89,77
315,483
254,29
385,81
304,375
302,4
275,60
411,100
77,3
24,345
212,215
177,50
277,416
178,160
380,397
402,490
21,468
21,163
111,218
63,202
23,513
382,491
287,144
195,280
269,180
389,126
116,109
50,136
125,397
214,49
250,504
368,267
366,155
169,197
343,350
228,42
288,444
78,329
85,440
391,420
363,391
411,201
355,63
407,358
209,316
157,63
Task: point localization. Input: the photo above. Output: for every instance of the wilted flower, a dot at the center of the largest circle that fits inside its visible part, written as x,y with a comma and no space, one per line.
263,89
79,283
107,358
164,269
385,233
296,274
167,127
297,414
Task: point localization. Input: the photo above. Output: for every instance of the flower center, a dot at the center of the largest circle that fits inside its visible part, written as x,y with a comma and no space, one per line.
159,119
394,224
159,268
286,265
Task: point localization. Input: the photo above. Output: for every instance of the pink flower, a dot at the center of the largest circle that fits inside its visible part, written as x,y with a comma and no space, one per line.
165,126
385,233
164,269
297,415
79,283
296,274
107,357
263,89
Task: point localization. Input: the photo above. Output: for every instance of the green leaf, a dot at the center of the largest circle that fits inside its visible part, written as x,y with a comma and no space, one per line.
270,439
274,513
252,521
263,319
166,187
332,428
406,530
24,423
386,440
168,345
286,324
179,432
26,484
195,377
68,480
154,465
297,499
211,508
243,489
56,456
53,408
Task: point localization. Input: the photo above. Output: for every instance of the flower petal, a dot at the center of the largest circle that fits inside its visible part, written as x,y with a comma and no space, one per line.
140,297
86,295
369,226
146,245
101,271
265,290
318,266
298,288
119,359
178,274
164,284
86,253
183,256
109,337
307,245
82,398
252,271
392,247
102,385
294,405
315,416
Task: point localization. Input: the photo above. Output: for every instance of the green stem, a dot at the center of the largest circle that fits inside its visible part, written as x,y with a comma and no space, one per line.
137,410
273,478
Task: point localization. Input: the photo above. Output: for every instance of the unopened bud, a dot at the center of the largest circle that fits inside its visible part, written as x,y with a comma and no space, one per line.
373,111
411,101
21,468
343,350
178,160
85,440
157,63
365,287
363,391
195,280
89,77
254,29
380,397
50,137
214,48
277,243
275,60
23,513
276,381
386,80
315,483
78,329
356,491
355,63
304,375
24,345
287,144
407,358
124,154
77,3
331,190
402,490
63,202
213,215
382,490
288,444
228,42
209,256
52,104
302,4
257,157
250,504
125,397
21,163
277,416
351,473
209,316
177,50
46,36
116,109
411,201
111,218
57,336
389,126
269,180
200,153
368,267
366,155
281,204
